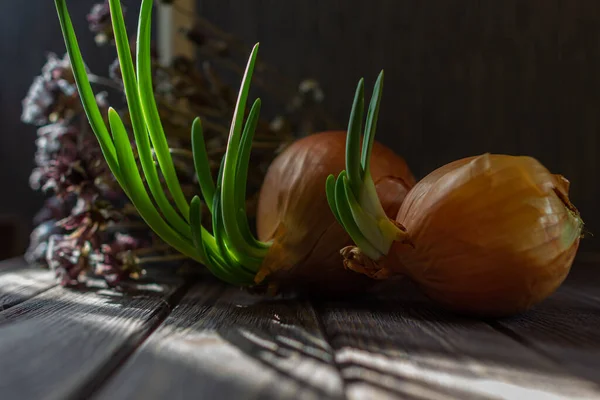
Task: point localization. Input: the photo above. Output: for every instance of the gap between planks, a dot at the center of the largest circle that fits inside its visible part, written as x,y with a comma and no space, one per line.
20,281
384,350
62,343
566,327
221,342
403,347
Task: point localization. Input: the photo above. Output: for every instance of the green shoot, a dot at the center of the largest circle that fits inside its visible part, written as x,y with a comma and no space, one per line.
85,91
137,192
140,129
202,164
231,253
236,244
214,263
242,175
232,172
372,116
353,166
353,198
150,111
348,222
330,191
120,165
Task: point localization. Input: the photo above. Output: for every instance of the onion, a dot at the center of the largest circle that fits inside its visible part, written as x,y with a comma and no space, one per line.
293,212
490,235
298,237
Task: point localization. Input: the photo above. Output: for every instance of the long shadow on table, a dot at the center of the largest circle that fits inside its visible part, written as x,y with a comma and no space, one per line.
401,337
408,348
223,340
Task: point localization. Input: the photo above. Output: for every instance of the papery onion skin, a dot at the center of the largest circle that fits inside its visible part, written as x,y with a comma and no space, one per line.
492,235
293,213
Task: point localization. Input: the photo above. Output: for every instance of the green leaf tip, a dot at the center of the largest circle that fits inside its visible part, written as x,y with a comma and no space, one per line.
202,163
353,198
353,166
145,92
242,241
371,126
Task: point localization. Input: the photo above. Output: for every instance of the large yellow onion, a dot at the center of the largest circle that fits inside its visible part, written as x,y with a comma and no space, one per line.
491,235
293,213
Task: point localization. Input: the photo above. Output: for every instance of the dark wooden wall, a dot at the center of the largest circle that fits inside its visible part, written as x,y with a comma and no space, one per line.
462,77
28,30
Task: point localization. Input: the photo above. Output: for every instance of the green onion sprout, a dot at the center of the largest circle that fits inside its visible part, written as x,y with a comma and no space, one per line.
352,197
231,252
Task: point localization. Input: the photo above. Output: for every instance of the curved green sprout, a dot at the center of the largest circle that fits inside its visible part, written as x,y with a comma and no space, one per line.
352,197
231,252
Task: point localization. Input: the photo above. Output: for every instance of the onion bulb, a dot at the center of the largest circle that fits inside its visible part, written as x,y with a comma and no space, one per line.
294,215
298,239
490,235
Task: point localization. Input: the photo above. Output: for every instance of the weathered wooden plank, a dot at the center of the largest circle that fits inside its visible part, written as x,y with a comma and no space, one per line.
63,342
406,348
20,281
12,264
566,327
224,343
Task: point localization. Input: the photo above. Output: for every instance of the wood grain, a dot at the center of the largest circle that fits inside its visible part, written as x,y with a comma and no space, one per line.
565,327
19,282
224,343
221,342
62,343
404,347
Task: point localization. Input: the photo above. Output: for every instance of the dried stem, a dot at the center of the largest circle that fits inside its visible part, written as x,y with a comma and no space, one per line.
155,259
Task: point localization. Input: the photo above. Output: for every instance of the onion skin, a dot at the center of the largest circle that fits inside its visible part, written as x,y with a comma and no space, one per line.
492,235
293,213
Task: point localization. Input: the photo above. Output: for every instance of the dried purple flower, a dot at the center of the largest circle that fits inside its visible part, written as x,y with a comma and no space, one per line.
115,261
63,176
67,257
69,161
53,95
54,139
100,23
89,217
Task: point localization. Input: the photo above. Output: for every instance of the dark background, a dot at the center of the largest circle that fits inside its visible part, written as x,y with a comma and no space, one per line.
28,31
462,77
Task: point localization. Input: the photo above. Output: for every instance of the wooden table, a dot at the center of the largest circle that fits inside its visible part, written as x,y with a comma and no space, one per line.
205,340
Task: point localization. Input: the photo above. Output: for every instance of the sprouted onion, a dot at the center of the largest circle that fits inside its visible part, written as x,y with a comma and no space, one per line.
295,227
490,235
293,213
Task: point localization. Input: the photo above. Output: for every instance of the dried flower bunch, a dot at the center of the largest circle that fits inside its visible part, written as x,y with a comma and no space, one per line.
88,226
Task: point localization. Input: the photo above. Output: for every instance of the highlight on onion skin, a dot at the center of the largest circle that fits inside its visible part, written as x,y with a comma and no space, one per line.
490,235
293,213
